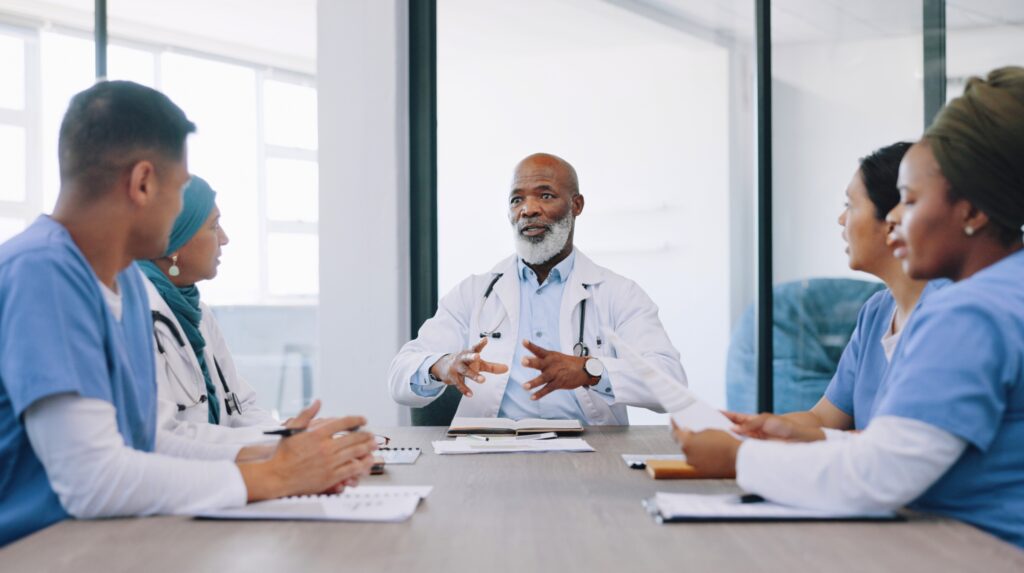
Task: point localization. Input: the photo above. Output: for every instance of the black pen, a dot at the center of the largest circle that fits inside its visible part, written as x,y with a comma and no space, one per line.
751,498
287,432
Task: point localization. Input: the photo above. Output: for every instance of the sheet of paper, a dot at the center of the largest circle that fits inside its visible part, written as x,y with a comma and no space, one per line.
509,445
363,503
398,456
687,410
639,461
699,507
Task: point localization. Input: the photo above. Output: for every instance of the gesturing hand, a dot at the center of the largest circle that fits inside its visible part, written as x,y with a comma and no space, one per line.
557,371
453,369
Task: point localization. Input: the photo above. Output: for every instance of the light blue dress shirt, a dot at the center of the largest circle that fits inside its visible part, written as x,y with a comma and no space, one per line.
539,311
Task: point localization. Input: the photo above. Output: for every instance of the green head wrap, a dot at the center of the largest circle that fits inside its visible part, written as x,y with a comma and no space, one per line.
978,141
197,201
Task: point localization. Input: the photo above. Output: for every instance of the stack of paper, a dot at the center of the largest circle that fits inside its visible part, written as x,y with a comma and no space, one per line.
463,426
363,503
510,445
670,507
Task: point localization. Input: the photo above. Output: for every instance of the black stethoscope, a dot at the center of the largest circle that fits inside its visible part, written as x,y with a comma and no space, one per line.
578,349
231,404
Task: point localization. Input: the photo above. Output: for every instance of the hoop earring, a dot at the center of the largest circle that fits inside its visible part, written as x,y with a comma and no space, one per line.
174,270
969,231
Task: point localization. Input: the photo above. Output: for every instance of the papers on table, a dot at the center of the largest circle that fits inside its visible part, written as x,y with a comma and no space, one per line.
462,426
639,461
398,456
363,503
504,445
687,410
673,507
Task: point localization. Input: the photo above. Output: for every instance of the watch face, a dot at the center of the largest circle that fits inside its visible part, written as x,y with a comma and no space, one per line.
594,367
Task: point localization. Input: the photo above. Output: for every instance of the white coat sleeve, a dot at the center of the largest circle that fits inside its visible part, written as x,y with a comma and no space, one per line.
446,332
888,465
635,319
95,474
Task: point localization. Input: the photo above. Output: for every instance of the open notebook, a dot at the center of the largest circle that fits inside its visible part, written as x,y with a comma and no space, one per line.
673,507
461,426
687,410
363,503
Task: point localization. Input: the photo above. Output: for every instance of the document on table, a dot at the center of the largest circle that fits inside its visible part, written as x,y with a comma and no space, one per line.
398,456
503,445
463,426
363,503
676,507
687,410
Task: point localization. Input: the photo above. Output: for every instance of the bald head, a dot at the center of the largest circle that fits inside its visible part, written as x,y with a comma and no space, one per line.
548,167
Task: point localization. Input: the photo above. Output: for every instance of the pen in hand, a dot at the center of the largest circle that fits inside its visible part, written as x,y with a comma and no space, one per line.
288,432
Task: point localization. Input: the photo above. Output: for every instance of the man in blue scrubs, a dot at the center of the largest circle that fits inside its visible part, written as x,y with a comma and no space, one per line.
78,406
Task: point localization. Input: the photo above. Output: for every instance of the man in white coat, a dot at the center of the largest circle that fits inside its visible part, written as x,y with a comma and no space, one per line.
553,299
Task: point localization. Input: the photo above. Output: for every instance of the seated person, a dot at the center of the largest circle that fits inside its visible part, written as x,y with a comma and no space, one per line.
948,423
195,372
848,400
78,410
557,302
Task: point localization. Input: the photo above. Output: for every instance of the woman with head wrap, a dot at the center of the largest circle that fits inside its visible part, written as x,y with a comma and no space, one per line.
848,400
948,424
200,391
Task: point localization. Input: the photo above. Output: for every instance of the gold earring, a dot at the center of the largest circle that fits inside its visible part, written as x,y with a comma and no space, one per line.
969,231
174,270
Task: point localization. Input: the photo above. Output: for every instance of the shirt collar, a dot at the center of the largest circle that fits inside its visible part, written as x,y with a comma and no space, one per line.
557,275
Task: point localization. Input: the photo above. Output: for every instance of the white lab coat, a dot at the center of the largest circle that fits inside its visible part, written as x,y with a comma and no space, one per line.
180,383
613,302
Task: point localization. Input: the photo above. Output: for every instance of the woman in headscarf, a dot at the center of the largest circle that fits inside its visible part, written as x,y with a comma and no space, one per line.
948,424
200,391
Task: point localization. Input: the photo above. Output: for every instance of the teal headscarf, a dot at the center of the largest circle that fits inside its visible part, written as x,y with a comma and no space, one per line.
198,201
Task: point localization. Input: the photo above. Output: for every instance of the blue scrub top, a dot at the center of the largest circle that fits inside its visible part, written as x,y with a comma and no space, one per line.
960,367
854,386
57,336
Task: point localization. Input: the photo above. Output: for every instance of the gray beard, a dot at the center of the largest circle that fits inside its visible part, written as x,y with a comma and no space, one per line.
538,252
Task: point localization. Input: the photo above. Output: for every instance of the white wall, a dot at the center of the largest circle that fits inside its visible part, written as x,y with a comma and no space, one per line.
364,213
832,104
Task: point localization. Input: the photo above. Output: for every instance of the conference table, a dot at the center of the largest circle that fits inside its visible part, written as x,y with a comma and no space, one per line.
518,513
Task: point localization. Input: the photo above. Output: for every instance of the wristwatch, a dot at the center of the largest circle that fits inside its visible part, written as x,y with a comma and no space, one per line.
593,367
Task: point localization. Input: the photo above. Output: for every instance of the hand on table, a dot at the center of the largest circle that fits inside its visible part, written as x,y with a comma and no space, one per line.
557,371
773,427
454,369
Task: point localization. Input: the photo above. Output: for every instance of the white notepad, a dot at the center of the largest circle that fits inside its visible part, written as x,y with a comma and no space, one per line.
363,503
398,456
463,426
503,445
673,507
687,410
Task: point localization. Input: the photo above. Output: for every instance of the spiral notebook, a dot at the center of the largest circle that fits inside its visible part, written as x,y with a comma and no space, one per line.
398,456
363,503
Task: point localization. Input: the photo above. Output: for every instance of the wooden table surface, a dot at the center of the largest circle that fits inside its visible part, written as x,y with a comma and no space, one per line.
517,513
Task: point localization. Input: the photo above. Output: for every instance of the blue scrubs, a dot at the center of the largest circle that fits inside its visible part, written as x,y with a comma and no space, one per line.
960,367
854,386
58,336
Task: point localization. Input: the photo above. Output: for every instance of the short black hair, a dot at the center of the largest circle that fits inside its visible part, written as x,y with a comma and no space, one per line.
879,172
113,124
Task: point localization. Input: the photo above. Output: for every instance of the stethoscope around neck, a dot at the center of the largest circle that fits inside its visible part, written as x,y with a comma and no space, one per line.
231,404
578,349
